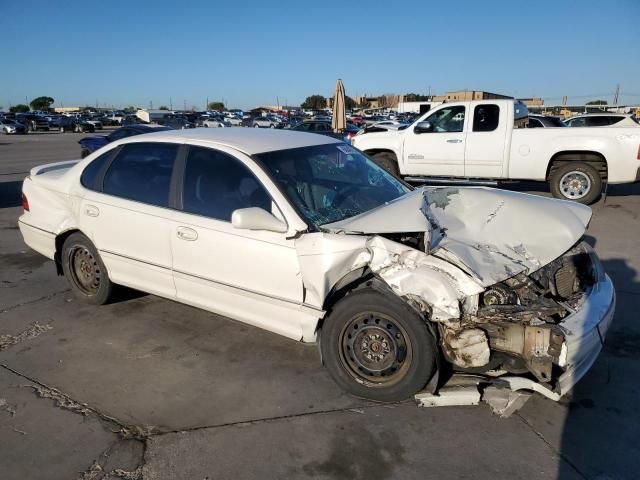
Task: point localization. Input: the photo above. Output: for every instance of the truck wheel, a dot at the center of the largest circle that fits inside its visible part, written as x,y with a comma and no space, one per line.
577,181
387,161
85,271
377,347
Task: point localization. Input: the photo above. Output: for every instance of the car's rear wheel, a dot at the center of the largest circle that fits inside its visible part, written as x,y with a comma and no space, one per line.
377,347
387,161
256,126
577,181
85,271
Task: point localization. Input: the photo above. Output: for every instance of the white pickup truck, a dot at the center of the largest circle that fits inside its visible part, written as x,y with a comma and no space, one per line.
486,140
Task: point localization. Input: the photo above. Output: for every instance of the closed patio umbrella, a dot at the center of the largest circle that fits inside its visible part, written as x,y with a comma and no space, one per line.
339,120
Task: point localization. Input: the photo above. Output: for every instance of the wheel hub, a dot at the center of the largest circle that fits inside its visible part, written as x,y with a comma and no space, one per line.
85,270
373,349
575,185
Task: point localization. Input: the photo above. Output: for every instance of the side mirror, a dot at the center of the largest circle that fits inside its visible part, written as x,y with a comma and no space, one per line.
256,218
423,127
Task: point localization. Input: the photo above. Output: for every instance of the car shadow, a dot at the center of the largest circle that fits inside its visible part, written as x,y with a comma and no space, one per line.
599,436
10,194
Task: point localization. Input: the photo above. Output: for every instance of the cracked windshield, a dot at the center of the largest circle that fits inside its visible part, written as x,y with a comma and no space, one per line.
328,183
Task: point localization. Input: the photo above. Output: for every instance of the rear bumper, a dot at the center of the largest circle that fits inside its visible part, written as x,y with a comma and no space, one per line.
39,240
585,332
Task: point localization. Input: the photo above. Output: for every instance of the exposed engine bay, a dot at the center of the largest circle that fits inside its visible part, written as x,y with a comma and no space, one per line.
516,327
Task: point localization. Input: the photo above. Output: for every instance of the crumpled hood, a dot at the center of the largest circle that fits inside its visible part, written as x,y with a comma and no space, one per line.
491,234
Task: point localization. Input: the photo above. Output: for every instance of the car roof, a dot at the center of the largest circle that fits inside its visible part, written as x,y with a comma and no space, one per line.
248,140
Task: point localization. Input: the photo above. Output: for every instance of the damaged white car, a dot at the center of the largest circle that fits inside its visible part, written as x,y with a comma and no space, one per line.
303,235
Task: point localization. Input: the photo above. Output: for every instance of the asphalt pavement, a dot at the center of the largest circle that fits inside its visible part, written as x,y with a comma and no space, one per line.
149,388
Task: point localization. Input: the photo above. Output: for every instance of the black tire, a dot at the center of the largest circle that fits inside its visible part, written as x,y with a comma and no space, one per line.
372,320
387,161
576,181
85,271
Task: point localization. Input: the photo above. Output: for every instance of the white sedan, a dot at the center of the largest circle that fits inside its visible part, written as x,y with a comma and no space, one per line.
215,123
304,236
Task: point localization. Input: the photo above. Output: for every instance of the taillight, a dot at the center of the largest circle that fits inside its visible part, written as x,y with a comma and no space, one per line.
25,203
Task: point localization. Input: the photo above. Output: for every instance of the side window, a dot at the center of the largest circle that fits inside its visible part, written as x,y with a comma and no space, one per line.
142,172
577,122
486,118
534,123
598,121
89,176
614,120
447,119
216,184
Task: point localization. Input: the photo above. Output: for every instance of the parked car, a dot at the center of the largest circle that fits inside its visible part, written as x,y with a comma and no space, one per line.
545,121
486,140
602,120
266,122
88,145
324,128
177,123
32,122
234,121
304,236
11,127
75,125
53,120
97,124
215,123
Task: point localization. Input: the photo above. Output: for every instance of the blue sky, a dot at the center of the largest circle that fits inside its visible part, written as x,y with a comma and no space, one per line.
252,52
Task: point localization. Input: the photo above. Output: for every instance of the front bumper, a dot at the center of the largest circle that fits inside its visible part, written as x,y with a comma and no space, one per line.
585,332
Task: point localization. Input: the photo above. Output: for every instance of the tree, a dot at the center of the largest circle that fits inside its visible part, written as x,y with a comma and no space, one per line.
20,108
415,97
163,107
219,106
597,102
314,102
388,100
41,103
349,103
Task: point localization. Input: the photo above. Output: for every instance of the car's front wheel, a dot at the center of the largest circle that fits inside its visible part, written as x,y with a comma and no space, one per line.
376,346
85,271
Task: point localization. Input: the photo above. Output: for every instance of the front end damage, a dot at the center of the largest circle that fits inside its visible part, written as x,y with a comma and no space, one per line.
515,295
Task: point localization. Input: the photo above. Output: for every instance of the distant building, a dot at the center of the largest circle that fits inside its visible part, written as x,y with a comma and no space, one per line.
66,109
467,95
532,102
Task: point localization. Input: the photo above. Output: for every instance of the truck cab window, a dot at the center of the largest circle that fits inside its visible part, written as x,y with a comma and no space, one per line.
486,118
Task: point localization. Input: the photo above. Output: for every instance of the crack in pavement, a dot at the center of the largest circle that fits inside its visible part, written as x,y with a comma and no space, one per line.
35,330
96,470
30,302
551,447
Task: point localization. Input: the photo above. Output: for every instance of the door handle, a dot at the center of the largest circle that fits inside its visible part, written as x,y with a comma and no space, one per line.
186,233
91,210
454,140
